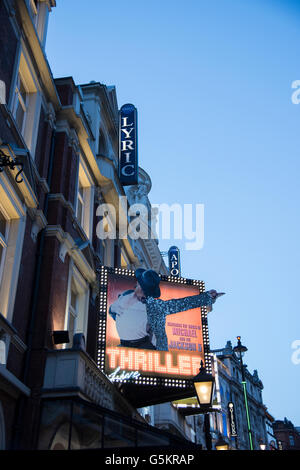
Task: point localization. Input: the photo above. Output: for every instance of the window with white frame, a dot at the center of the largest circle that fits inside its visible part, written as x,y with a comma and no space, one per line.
4,230
26,102
101,250
34,6
85,200
77,304
21,103
12,226
39,13
81,203
73,310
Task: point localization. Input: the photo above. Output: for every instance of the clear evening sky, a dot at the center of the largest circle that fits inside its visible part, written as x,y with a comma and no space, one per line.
212,82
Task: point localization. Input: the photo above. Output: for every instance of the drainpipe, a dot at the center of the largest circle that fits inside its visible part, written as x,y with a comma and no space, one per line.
34,302
39,265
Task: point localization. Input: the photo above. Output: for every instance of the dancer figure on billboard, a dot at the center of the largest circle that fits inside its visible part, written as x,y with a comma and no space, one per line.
140,314
130,314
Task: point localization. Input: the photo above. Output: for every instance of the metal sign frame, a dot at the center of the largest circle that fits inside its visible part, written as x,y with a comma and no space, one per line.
174,265
232,420
149,380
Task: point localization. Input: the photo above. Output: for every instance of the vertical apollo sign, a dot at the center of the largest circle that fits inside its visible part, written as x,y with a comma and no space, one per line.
128,155
232,422
174,261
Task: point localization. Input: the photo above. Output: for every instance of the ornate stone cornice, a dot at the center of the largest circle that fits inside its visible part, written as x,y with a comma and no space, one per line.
50,115
39,222
68,246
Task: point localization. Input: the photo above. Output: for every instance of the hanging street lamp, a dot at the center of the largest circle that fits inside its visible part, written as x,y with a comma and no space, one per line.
204,386
262,445
240,350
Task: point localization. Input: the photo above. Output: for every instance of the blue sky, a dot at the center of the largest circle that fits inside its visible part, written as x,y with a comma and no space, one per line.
212,84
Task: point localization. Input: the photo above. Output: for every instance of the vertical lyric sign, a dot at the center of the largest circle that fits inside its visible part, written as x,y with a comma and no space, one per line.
128,153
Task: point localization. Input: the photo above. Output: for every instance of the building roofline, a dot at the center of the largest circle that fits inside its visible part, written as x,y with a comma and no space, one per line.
38,54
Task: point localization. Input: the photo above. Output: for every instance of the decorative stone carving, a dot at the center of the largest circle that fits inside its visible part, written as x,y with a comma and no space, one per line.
50,117
39,222
138,194
73,141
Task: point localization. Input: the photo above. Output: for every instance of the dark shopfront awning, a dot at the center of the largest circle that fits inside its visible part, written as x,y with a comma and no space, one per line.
75,424
142,395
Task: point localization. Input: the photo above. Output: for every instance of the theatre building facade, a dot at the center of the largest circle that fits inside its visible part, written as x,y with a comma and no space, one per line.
59,159
59,163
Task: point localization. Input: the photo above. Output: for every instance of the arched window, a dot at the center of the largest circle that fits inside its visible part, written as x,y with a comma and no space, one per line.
291,440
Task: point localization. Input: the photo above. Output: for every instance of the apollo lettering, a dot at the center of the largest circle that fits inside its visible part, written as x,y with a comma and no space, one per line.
174,266
174,261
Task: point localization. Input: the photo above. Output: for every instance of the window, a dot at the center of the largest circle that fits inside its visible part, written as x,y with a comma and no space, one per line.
39,15
291,440
4,229
101,250
80,203
85,200
26,102
12,225
118,434
73,310
102,144
77,304
21,103
224,424
34,4
124,260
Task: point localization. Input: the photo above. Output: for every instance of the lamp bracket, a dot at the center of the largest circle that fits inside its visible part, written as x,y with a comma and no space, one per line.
7,161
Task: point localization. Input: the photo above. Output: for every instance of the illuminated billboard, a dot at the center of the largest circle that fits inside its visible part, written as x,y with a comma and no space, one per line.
128,351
